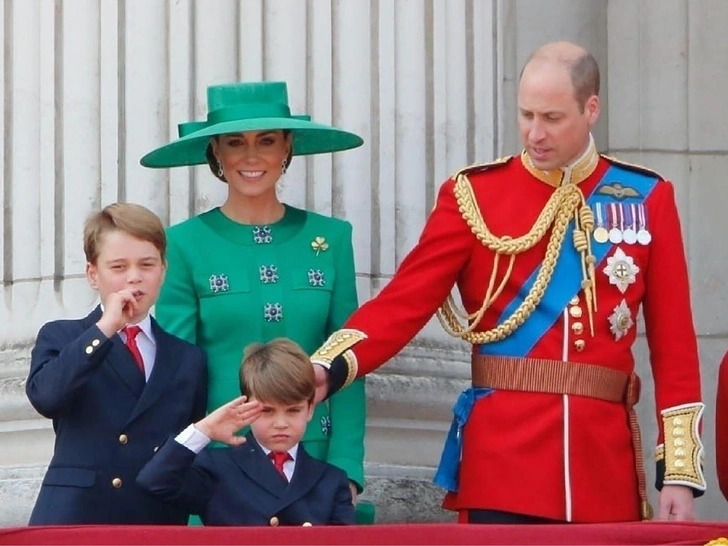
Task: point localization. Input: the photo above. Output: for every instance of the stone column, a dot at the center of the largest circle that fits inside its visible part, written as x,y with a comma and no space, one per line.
90,85
666,88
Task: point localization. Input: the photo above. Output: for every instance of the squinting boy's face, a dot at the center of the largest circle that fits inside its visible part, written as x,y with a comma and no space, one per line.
125,262
281,426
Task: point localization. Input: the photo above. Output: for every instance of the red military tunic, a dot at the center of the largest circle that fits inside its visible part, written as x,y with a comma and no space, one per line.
721,427
555,456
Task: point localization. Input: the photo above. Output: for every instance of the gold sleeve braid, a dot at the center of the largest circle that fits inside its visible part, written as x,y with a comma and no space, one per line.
683,449
339,344
567,202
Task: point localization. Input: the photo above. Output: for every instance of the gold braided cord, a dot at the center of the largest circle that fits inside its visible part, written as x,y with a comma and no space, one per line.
505,245
475,318
583,247
586,217
491,283
564,204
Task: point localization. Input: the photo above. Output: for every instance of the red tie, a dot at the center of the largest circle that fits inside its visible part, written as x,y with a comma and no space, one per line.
278,458
131,334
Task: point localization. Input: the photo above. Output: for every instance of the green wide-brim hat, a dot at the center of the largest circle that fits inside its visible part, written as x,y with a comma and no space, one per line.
241,107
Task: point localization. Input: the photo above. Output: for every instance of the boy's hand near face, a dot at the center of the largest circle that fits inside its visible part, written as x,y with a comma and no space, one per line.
119,308
225,421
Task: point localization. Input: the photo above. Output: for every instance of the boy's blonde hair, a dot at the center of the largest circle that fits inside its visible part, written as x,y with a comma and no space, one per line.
277,372
136,220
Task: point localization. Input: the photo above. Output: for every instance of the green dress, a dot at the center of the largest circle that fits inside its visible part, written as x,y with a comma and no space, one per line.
230,284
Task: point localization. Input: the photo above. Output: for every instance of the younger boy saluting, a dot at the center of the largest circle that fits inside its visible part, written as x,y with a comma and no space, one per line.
266,478
114,383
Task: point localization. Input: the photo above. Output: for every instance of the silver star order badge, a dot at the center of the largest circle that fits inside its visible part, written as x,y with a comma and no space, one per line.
621,270
620,321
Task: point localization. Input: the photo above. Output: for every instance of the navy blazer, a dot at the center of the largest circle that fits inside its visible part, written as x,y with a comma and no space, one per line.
240,486
108,421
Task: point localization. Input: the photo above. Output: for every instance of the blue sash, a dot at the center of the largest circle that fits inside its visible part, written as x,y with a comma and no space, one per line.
449,467
567,277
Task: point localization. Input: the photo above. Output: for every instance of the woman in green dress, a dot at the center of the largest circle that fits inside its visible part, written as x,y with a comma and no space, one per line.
255,268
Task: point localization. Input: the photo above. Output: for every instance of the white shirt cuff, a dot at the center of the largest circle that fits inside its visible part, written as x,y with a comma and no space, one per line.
192,439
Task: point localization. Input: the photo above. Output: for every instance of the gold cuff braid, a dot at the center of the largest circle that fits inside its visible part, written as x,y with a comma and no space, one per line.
339,344
352,368
683,449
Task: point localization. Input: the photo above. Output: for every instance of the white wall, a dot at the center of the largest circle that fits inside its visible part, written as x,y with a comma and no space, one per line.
89,86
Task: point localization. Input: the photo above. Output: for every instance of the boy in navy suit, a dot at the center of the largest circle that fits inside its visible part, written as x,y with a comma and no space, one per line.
114,383
266,478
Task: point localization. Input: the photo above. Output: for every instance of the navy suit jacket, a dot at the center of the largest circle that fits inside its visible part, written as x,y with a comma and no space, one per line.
240,486
108,421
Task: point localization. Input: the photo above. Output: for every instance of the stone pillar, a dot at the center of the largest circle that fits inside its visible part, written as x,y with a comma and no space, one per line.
525,25
666,88
90,85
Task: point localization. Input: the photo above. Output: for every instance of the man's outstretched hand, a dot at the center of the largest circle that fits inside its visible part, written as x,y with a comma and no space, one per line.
676,504
322,383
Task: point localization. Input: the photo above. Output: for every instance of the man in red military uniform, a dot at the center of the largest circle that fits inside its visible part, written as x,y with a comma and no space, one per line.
553,252
721,427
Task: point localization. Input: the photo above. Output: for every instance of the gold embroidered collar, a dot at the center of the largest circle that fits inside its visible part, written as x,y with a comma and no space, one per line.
575,173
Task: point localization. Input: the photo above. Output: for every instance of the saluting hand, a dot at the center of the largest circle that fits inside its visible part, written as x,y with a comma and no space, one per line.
225,421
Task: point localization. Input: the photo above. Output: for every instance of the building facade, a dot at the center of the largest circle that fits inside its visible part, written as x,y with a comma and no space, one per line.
89,86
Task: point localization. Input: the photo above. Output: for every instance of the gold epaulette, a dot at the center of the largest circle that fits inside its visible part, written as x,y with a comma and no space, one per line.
632,166
481,167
